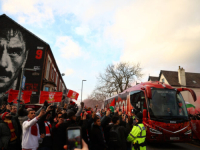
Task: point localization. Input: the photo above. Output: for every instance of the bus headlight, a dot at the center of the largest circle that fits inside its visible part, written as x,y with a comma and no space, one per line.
154,131
188,132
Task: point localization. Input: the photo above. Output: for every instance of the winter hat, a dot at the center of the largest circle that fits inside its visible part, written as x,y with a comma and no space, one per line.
72,103
70,113
2,116
89,112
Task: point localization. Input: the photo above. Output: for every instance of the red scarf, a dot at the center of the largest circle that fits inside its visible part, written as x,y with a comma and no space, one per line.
12,130
34,129
48,128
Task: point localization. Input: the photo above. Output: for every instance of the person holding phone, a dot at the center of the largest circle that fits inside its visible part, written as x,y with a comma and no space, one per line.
84,146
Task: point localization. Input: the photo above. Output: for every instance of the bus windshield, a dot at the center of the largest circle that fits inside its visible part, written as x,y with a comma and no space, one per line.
167,104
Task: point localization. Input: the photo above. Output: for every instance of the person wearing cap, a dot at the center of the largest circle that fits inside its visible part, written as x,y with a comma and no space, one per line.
9,133
138,134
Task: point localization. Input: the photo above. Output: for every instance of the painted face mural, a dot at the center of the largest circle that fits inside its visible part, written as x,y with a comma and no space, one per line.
13,55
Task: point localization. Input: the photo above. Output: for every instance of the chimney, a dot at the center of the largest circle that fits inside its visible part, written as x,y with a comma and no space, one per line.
181,76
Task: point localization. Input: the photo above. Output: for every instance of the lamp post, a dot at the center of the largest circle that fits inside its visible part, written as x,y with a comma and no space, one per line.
82,89
20,86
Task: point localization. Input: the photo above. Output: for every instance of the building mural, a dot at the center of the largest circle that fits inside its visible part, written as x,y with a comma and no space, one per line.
19,49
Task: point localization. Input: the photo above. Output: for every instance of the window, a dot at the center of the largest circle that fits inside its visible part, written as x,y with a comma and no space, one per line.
138,100
52,73
46,88
167,103
60,86
56,79
163,80
47,70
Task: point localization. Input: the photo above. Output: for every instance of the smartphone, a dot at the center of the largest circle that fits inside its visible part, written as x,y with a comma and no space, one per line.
74,138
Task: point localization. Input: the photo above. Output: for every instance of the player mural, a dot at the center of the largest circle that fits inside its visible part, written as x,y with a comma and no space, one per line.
19,49
13,56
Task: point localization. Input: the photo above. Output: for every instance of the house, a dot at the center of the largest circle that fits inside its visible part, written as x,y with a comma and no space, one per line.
179,79
30,52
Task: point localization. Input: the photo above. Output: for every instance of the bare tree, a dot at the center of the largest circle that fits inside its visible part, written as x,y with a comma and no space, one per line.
118,78
98,95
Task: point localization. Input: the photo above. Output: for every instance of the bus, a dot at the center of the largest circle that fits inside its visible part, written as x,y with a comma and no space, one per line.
164,111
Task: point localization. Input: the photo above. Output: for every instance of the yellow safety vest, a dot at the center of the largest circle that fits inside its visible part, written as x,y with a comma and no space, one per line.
138,135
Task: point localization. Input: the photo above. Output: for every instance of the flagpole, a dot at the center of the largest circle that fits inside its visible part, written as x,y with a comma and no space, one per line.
20,90
82,89
20,86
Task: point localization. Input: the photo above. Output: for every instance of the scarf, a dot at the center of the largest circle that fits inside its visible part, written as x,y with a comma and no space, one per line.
34,129
12,130
48,128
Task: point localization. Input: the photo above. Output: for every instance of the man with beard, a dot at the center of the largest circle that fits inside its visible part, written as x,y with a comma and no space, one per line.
9,134
13,56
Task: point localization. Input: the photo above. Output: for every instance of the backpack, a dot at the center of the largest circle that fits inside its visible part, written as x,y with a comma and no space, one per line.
114,137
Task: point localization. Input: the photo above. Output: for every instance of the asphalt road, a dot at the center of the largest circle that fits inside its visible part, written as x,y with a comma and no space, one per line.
173,146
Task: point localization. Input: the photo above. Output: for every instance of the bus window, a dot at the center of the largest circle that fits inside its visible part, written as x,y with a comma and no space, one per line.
137,100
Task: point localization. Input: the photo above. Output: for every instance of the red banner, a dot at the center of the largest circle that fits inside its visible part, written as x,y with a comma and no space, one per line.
13,96
50,97
72,94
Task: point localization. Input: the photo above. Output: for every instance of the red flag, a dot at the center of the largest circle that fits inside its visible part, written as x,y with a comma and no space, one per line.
112,105
72,94
13,96
50,97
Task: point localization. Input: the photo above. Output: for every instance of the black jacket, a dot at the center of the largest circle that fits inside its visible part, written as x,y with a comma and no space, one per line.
123,136
106,127
97,138
5,133
47,141
59,134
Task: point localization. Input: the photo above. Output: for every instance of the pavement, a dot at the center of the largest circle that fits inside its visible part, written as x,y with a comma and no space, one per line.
173,146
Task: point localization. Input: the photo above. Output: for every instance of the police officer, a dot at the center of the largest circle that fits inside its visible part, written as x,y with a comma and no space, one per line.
138,134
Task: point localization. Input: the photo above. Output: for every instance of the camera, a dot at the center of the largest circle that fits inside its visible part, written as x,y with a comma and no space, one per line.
53,107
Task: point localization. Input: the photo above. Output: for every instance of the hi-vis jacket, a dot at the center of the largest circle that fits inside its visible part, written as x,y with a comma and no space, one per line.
137,135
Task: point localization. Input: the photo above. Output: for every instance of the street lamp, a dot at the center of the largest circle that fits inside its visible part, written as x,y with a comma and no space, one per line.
82,89
20,86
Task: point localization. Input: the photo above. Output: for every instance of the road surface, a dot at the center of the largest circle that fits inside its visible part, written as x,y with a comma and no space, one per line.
173,146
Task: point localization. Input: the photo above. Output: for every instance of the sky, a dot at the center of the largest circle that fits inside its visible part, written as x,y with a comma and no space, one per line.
87,35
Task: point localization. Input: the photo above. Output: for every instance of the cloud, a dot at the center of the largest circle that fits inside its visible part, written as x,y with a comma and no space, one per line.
31,11
68,47
159,34
82,31
69,72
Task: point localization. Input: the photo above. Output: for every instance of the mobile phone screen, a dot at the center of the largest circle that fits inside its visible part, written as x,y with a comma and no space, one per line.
74,139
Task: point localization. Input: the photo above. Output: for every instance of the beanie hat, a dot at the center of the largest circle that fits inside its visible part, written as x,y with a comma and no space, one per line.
139,116
72,103
89,112
2,116
70,113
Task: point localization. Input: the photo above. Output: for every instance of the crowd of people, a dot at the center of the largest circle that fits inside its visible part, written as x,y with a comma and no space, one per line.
45,129
194,116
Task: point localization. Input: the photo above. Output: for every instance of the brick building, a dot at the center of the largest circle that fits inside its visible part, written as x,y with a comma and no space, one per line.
19,48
